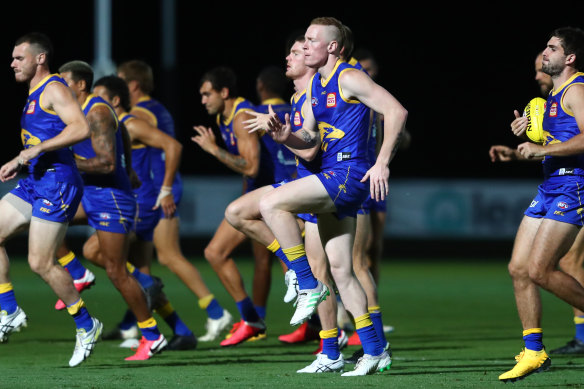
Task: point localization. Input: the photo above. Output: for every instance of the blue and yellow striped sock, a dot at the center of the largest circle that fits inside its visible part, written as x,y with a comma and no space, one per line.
212,306
7,299
72,265
299,263
80,315
533,338
368,336
171,318
277,250
145,280
330,343
375,315
579,322
149,329
247,310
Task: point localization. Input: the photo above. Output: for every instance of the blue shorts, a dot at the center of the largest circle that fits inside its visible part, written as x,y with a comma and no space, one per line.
108,209
370,205
344,186
51,199
307,217
146,218
560,199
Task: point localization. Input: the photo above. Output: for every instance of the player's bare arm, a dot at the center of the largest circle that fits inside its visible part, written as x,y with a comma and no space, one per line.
127,142
574,102
248,144
357,85
103,139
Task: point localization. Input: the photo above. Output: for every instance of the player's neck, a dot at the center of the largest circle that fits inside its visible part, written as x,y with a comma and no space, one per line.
228,107
135,96
564,76
82,97
327,69
40,75
301,83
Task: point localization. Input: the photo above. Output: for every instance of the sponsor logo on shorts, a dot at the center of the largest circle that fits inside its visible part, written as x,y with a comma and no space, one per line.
31,107
533,204
559,213
314,101
343,156
563,205
45,210
297,119
105,216
47,202
331,100
554,110
104,224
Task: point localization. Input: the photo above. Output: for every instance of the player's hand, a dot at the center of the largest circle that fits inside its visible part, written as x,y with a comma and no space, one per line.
519,125
258,122
378,177
205,138
10,169
165,200
500,153
531,150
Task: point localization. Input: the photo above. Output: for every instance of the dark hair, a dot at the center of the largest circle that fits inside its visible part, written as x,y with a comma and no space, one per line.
116,86
140,71
79,71
274,80
572,41
221,77
40,42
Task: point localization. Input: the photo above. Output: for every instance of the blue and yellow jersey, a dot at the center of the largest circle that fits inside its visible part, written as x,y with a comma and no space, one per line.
282,159
304,168
39,124
225,124
559,125
84,150
161,119
141,163
342,122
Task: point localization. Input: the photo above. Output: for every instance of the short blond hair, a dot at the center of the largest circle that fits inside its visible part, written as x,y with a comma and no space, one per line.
339,28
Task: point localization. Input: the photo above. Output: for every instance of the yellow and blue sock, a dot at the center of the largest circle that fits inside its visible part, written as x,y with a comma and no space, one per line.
145,280
533,339
579,322
330,343
247,310
149,329
72,265
375,315
128,321
277,250
299,263
211,305
80,314
7,299
368,336
171,318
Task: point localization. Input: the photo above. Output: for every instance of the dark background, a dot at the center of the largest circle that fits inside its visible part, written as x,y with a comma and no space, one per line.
459,70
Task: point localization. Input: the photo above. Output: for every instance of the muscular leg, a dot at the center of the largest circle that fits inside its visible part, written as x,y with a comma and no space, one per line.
166,241
361,259
375,244
218,252
572,262
262,276
13,221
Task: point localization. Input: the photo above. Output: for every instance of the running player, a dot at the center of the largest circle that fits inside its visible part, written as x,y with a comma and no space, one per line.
218,88
553,220
45,201
108,204
138,75
338,99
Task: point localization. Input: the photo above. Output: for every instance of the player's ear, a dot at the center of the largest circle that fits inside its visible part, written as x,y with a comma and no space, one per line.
41,58
116,101
570,59
224,93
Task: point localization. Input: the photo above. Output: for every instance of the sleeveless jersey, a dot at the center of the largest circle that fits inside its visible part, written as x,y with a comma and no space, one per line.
560,125
39,124
342,123
282,159
304,168
84,150
164,122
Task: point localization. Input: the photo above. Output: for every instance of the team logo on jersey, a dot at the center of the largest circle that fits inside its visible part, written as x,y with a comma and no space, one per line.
563,205
297,119
331,100
28,140
47,202
554,110
31,107
314,101
105,216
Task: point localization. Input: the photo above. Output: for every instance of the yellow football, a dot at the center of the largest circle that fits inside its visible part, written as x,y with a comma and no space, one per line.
534,112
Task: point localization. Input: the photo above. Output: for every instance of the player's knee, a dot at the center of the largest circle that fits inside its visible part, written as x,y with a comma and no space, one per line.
90,251
40,266
116,273
517,271
233,214
212,255
538,275
267,204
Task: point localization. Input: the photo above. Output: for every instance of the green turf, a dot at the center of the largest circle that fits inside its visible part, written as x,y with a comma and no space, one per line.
456,327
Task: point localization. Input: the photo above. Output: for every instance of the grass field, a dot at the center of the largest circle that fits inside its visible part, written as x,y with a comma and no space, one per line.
456,327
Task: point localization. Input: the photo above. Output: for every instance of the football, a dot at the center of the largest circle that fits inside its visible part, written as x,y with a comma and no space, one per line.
534,112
